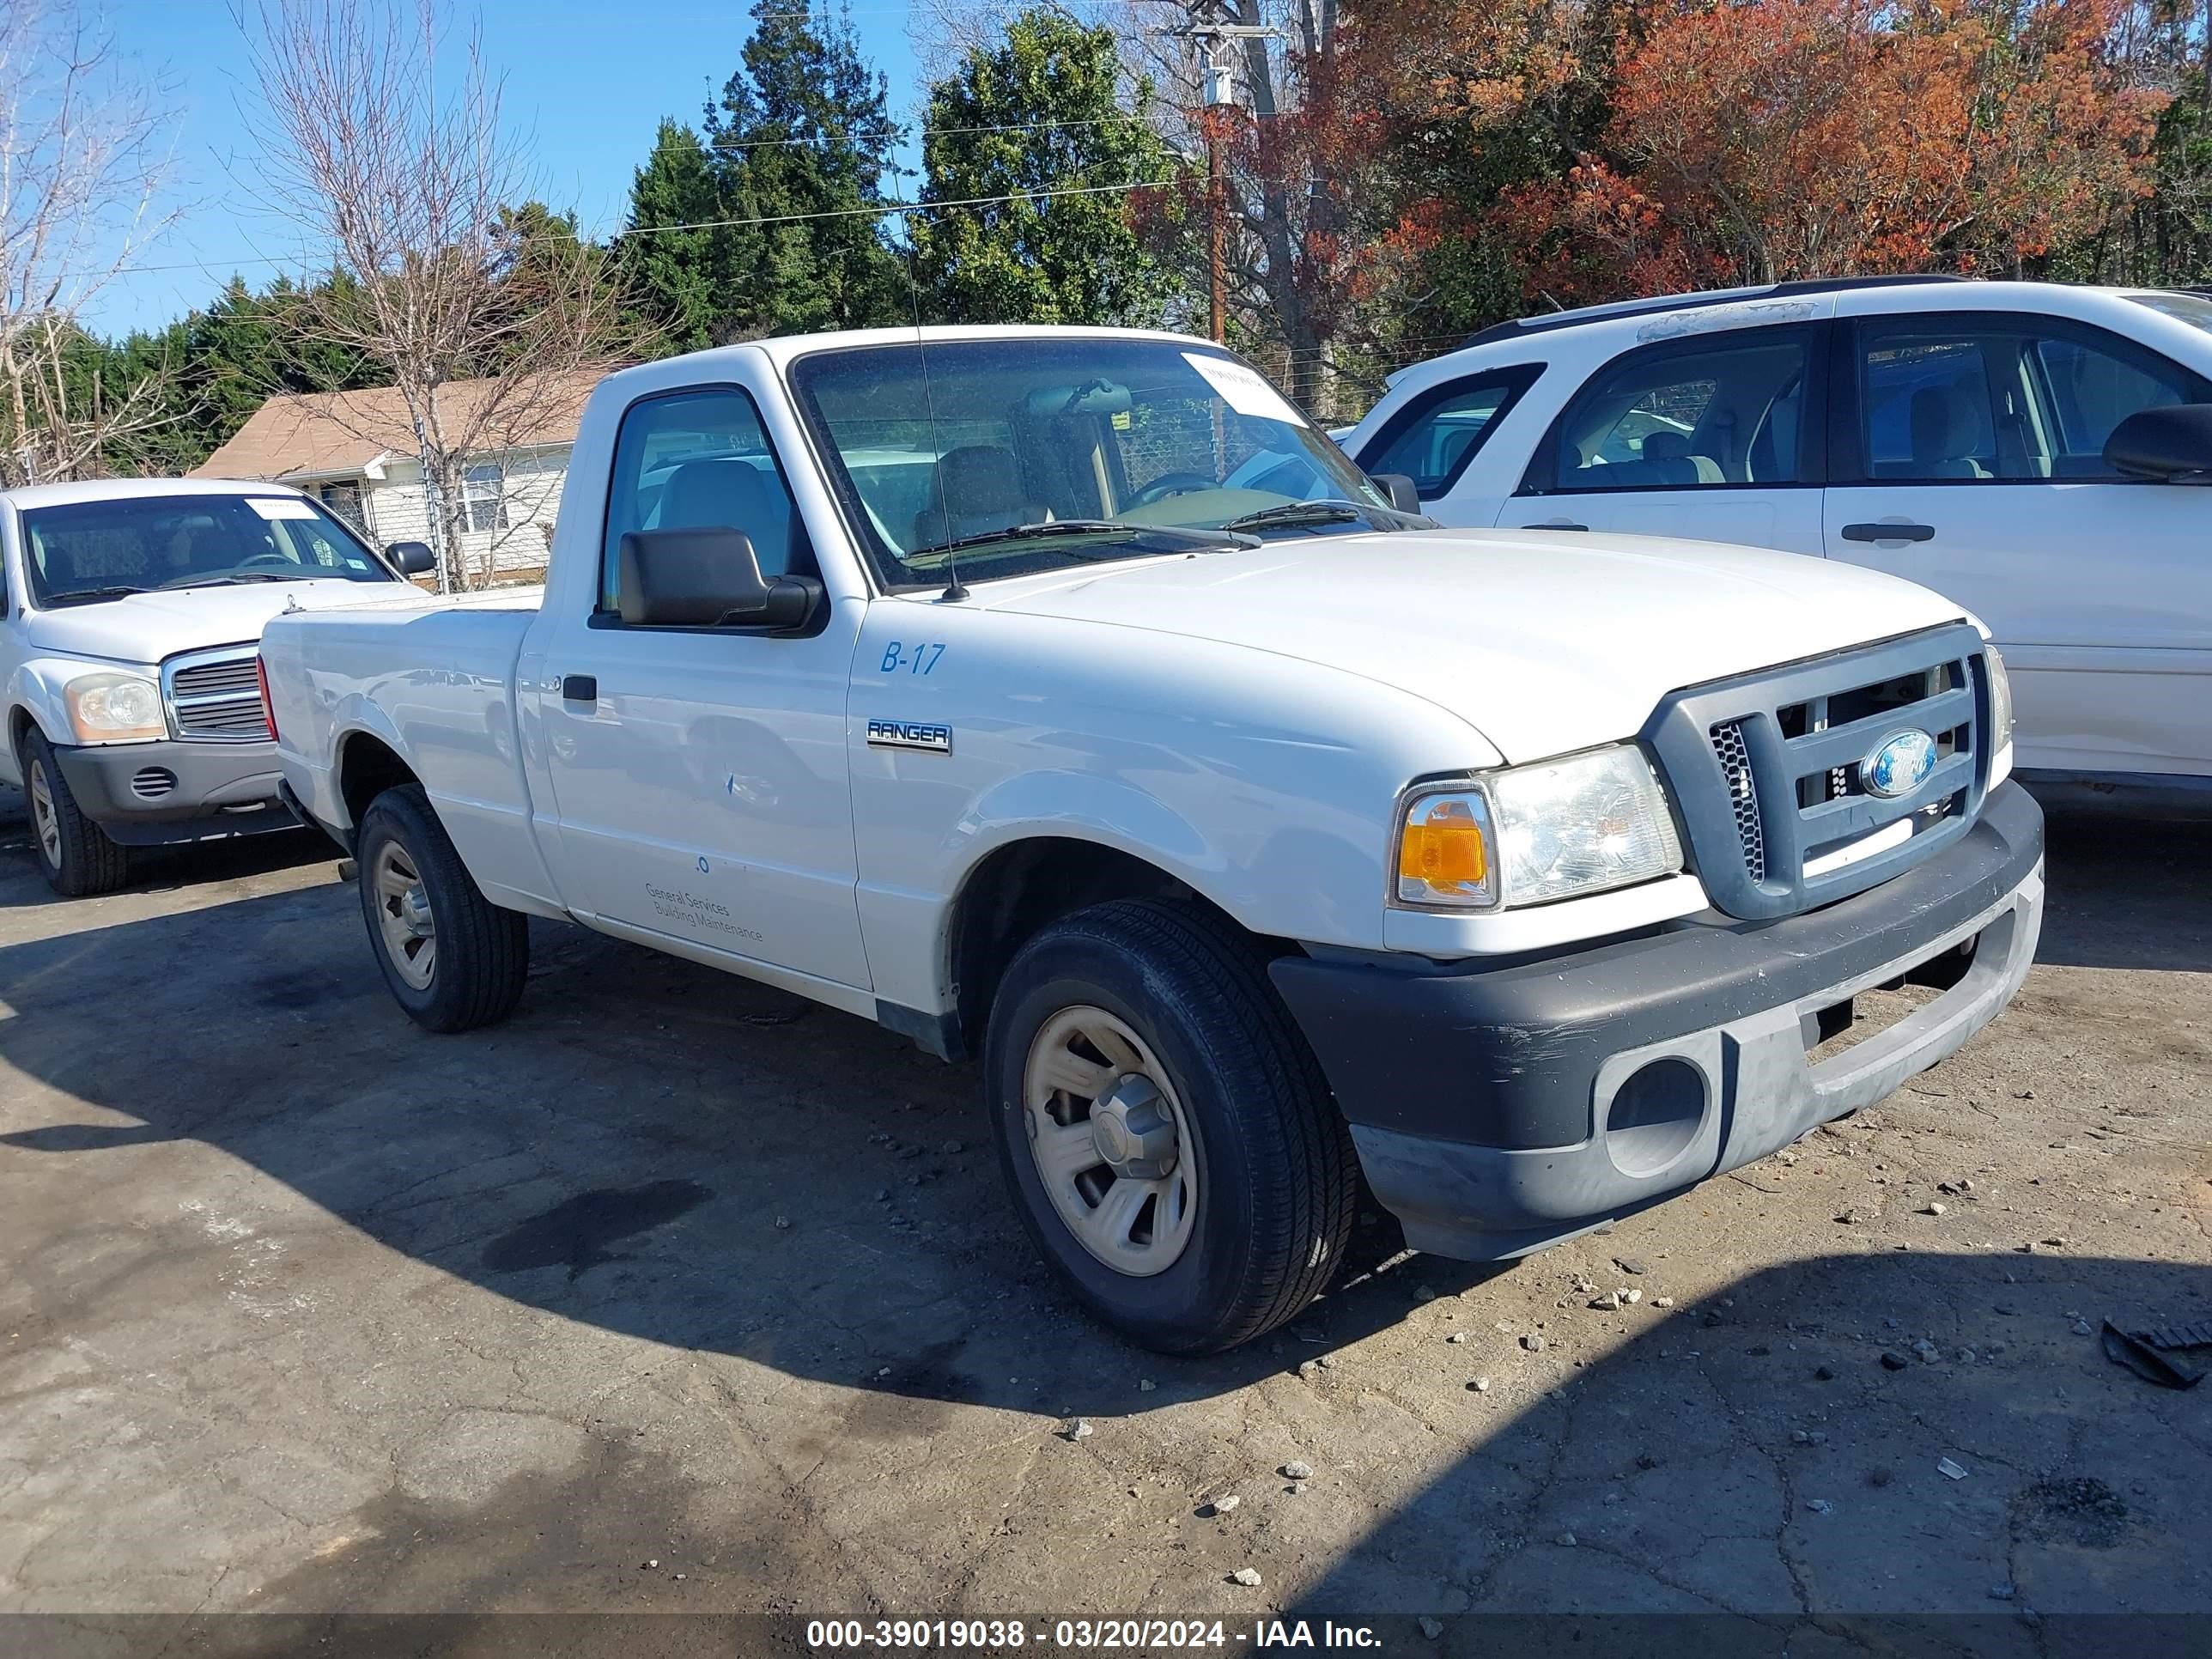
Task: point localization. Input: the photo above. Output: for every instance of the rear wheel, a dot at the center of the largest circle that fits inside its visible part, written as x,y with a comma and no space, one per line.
451,958
1169,1138
74,853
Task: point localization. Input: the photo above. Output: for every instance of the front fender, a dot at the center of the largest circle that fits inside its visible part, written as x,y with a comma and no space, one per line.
1086,806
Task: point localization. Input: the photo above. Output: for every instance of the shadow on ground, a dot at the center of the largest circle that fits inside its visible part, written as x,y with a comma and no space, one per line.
665,1153
2127,891
656,1148
677,1154
1757,1454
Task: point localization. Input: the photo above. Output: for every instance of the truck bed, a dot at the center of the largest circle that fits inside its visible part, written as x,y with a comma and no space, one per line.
435,682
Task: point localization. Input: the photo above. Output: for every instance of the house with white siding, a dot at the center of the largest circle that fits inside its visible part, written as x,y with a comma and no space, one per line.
356,451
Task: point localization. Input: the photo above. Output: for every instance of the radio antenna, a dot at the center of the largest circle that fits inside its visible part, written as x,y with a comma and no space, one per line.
953,591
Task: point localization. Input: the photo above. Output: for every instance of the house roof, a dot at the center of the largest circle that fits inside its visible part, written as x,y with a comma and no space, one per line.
334,434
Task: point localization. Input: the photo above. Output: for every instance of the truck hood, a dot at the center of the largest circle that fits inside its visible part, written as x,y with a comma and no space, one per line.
144,627
1545,642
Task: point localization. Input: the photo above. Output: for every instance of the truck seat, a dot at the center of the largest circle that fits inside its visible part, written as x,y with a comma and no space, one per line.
732,492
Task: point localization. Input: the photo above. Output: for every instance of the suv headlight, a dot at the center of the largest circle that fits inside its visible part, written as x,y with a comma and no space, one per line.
1526,834
115,708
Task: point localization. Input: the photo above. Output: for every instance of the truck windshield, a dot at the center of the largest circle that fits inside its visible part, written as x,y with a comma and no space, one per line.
82,552
1026,454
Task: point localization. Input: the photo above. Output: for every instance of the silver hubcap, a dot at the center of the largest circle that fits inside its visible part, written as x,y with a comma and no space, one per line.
1109,1139
402,909
43,817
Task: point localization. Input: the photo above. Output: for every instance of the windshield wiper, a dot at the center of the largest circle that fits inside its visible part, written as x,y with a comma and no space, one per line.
234,576
81,595
1292,512
1174,535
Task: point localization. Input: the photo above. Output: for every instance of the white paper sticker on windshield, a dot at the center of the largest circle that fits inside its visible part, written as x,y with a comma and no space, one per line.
280,507
1242,389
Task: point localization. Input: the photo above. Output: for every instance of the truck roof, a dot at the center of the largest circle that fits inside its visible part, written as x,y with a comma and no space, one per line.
113,490
781,349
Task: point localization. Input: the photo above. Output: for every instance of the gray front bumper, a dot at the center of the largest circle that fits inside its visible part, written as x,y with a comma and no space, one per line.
1500,1106
146,795
1758,1093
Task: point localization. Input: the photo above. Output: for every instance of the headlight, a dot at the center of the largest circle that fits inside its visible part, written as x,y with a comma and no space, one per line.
115,708
1555,829
2000,700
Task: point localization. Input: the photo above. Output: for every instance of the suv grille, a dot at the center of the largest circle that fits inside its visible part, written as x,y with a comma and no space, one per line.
216,697
1767,769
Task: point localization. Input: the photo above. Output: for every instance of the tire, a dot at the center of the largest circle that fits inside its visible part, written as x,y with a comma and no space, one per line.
1251,1217
451,958
74,853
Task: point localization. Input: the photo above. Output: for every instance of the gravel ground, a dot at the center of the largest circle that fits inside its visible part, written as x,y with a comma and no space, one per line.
678,1293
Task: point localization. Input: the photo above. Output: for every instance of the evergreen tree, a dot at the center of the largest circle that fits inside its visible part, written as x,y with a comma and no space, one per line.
678,277
1040,114
797,149
209,371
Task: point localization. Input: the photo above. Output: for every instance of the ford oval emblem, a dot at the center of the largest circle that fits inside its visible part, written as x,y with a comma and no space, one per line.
1900,764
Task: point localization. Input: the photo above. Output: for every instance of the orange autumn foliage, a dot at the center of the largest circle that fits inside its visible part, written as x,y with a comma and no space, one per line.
1783,139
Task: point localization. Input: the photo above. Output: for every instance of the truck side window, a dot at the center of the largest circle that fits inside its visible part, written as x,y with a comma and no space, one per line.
696,460
1434,437
1718,411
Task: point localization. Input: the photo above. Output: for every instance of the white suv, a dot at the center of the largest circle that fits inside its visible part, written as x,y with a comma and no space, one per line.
2015,446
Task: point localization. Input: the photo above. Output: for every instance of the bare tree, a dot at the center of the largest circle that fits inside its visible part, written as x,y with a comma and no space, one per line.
416,188
83,161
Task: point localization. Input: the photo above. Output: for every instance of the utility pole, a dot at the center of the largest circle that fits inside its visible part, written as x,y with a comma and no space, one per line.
1221,97
1216,210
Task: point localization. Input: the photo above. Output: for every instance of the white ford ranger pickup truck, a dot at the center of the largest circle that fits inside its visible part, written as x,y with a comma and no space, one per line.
1063,698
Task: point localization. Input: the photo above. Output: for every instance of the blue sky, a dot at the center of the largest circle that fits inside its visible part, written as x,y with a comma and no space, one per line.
588,82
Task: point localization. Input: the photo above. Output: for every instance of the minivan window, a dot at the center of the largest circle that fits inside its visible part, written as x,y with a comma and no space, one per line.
1998,398
1726,411
1433,439
82,552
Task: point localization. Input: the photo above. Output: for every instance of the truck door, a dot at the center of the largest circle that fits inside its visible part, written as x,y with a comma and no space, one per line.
700,774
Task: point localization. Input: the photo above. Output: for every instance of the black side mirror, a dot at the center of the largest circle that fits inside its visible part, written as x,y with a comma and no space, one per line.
708,577
2171,445
1400,488
413,558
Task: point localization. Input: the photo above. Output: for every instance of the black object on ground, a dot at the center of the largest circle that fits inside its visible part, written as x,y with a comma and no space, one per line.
2144,1352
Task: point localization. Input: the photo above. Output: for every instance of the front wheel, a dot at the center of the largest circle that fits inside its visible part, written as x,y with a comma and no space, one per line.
74,855
1169,1138
451,958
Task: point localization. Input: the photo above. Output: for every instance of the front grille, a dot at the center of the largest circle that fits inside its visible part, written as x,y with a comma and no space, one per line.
1743,799
216,697
1767,769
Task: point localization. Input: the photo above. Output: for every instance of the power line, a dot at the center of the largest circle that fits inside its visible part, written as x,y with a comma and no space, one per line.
722,147
879,210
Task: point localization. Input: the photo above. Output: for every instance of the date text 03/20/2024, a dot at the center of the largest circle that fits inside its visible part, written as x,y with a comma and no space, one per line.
1001,1635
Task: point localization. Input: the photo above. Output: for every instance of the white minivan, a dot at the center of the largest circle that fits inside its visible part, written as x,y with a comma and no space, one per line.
129,643
2026,449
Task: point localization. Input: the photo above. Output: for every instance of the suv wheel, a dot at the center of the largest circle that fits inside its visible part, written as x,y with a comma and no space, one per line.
74,853
1169,1138
451,958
